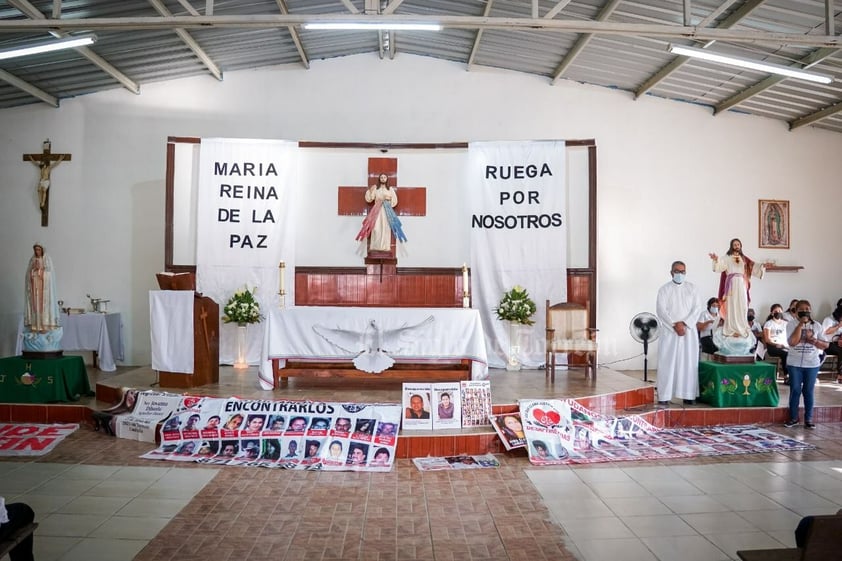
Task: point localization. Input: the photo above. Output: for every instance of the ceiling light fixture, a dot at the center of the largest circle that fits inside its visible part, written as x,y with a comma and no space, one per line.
57,45
373,26
750,64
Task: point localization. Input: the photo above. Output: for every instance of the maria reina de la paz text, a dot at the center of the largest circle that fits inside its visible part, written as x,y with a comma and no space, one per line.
523,197
232,192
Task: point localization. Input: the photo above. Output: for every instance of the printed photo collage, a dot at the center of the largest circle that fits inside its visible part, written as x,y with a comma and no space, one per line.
446,405
282,434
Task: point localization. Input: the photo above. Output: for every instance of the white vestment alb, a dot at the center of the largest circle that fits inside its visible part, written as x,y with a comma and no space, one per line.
678,356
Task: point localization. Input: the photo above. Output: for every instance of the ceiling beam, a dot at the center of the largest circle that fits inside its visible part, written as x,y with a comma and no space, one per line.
679,61
583,41
813,58
817,116
829,14
392,6
477,39
351,8
453,22
188,40
13,80
295,35
556,9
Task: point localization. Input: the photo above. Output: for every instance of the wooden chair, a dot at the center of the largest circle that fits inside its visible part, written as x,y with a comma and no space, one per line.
568,332
823,542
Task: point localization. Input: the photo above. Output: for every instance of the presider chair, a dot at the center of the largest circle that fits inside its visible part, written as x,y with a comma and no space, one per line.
568,332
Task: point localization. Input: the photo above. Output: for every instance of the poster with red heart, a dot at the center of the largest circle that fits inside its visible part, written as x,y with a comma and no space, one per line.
548,426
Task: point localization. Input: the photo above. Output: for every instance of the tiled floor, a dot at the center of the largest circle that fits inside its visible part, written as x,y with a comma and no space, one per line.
94,503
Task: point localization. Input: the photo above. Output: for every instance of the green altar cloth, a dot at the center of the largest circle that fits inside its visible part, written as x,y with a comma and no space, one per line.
738,385
43,380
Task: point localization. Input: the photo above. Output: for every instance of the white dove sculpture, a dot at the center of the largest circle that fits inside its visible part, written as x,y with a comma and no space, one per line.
373,345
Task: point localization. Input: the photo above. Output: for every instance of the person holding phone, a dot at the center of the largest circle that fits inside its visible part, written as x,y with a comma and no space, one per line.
805,337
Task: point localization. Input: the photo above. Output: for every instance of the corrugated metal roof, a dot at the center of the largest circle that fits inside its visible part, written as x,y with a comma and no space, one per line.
613,43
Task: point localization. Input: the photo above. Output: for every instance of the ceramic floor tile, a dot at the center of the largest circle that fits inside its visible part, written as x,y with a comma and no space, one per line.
786,537
627,549
670,488
658,526
51,548
779,519
152,507
90,549
713,522
582,508
69,525
618,489
42,504
636,506
804,503
582,529
684,548
130,528
745,501
96,473
694,504
732,543
592,475
104,506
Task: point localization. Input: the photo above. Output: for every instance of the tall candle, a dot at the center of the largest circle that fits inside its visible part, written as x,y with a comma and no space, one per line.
464,278
283,269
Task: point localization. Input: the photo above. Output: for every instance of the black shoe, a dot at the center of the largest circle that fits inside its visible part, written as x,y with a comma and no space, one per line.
663,403
689,402
809,425
789,424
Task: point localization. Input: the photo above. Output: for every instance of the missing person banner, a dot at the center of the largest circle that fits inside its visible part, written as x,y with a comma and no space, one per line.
245,226
303,435
517,204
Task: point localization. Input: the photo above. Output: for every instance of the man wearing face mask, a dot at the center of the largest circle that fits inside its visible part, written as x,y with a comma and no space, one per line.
805,345
678,307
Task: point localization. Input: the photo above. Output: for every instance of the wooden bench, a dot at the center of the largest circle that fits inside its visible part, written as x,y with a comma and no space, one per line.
16,537
823,543
403,372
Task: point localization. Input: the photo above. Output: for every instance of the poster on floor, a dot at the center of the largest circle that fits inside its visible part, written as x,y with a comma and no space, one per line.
565,432
137,415
29,439
463,461
284,434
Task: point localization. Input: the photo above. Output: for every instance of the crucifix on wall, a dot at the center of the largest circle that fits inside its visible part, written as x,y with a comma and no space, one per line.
352,202
45,161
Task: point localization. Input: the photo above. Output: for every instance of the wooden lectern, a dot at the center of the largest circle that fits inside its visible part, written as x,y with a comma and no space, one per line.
205,336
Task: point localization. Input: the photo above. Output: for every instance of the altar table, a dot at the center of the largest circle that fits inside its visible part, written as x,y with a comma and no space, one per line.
453,335
97,332
738,385
43,380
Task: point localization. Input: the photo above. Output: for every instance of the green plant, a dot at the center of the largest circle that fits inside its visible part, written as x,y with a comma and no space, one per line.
516,306
242,308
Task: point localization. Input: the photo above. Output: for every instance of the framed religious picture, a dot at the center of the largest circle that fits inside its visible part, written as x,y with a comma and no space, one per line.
773,224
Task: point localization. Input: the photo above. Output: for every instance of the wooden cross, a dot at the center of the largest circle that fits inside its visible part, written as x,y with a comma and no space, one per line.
412,201
45,161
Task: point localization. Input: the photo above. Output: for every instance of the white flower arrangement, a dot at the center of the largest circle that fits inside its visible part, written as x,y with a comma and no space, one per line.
242,308
516,306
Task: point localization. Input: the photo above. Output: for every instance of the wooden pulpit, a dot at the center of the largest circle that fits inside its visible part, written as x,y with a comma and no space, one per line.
205,332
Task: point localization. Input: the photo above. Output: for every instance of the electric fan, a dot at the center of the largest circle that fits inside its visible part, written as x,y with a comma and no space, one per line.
644,329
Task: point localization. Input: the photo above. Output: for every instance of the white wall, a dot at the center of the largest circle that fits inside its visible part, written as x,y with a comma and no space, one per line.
674,182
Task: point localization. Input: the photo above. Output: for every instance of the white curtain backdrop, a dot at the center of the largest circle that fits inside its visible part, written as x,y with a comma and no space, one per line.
518,215
245,227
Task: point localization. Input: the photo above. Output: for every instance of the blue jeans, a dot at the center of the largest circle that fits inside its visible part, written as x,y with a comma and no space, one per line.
801,380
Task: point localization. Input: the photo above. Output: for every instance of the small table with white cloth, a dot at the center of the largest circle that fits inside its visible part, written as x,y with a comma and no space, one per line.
454,336
97,332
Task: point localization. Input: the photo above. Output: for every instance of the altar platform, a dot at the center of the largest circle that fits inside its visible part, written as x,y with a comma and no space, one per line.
613,393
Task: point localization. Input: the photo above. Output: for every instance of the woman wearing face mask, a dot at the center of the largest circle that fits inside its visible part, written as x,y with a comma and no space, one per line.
832,329
774,337
708,321
805,345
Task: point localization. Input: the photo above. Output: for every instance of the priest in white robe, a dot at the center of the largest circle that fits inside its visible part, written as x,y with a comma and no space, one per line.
678,307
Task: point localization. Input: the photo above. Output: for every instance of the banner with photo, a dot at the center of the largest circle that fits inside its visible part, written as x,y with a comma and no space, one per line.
565,432
517,212
245,226
284,434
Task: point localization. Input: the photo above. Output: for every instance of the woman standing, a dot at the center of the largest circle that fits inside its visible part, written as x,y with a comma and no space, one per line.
805,346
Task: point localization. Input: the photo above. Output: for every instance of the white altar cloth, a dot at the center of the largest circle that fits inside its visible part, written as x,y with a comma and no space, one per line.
101,333
454,334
